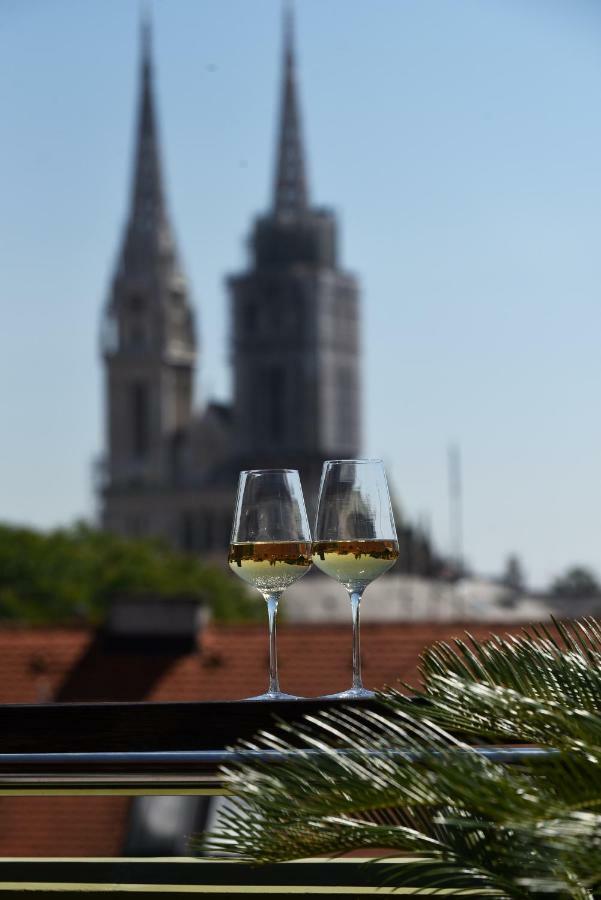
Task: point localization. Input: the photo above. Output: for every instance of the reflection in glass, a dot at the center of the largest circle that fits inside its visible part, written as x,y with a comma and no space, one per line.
355,538
271,545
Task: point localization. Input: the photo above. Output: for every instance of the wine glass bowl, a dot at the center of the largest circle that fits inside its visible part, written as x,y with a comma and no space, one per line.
355,539
355,564
270,565
270,546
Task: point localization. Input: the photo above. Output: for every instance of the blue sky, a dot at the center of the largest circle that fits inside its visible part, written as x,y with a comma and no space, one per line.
459,141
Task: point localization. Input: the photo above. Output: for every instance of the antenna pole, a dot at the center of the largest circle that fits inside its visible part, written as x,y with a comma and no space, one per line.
455,507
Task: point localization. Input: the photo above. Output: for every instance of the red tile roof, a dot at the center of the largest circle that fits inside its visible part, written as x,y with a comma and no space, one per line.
230,662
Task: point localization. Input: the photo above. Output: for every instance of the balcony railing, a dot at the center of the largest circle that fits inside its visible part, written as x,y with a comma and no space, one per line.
159,748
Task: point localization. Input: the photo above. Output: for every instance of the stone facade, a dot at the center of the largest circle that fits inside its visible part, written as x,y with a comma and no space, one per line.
170,469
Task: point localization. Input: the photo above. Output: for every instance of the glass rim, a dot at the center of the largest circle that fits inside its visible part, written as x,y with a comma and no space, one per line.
358,461
265,471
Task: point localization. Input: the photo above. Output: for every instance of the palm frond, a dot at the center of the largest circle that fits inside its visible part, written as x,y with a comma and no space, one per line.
397,778
562,665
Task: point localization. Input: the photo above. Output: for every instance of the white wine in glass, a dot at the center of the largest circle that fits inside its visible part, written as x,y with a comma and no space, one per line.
271,546
355,538
270,565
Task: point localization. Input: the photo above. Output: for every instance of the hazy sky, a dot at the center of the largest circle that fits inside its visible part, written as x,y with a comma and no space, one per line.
460,143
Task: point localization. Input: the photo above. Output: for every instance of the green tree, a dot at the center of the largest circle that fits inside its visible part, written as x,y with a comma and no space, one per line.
74,573
576,582
407,777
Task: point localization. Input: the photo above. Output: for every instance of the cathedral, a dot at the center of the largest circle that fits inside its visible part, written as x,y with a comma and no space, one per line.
171,469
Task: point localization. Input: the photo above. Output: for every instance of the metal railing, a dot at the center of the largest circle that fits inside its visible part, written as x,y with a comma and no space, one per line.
140,749
188,772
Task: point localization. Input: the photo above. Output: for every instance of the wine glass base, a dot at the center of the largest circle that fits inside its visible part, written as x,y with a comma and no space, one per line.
272,695
351,694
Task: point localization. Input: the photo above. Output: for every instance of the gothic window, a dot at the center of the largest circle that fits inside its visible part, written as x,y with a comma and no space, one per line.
270,290
137,526
137,336
276,316
345,406
298,311
140,419
183,389
208,530
276,402
134,323
250,318
268,414
187,532
176,456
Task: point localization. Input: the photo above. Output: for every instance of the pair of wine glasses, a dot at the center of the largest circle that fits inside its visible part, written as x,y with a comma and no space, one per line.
355,541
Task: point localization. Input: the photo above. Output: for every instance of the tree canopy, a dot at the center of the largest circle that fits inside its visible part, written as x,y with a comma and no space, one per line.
576,582
73,573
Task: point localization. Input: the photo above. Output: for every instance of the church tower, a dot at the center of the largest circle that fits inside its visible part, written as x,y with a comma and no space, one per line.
295,320
148,337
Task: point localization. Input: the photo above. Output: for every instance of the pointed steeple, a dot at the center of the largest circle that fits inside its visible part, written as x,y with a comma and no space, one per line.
147,228
148,332
290,198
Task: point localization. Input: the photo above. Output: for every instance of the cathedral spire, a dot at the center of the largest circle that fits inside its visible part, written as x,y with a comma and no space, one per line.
290,188
147,225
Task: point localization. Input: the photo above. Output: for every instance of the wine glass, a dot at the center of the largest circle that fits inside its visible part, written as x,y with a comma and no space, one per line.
271,545
355,538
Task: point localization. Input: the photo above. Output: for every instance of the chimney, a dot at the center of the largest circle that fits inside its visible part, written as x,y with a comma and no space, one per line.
156,623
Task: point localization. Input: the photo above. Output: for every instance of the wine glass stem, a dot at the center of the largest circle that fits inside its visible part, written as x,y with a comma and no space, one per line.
355,604
272,608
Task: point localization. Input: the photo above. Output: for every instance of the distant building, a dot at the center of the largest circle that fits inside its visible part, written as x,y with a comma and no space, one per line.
170,469
413,598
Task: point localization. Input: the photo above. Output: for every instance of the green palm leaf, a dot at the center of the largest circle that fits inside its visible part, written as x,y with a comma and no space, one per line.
564,665
398,778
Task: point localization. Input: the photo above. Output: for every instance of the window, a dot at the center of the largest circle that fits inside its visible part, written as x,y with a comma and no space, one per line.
187,532
275,398
345,407
140,418
250,318
208,530
137,336
298,308
276,316
268,415
136,526
183,396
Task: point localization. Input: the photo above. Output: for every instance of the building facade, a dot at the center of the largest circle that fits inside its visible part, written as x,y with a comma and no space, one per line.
170,467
